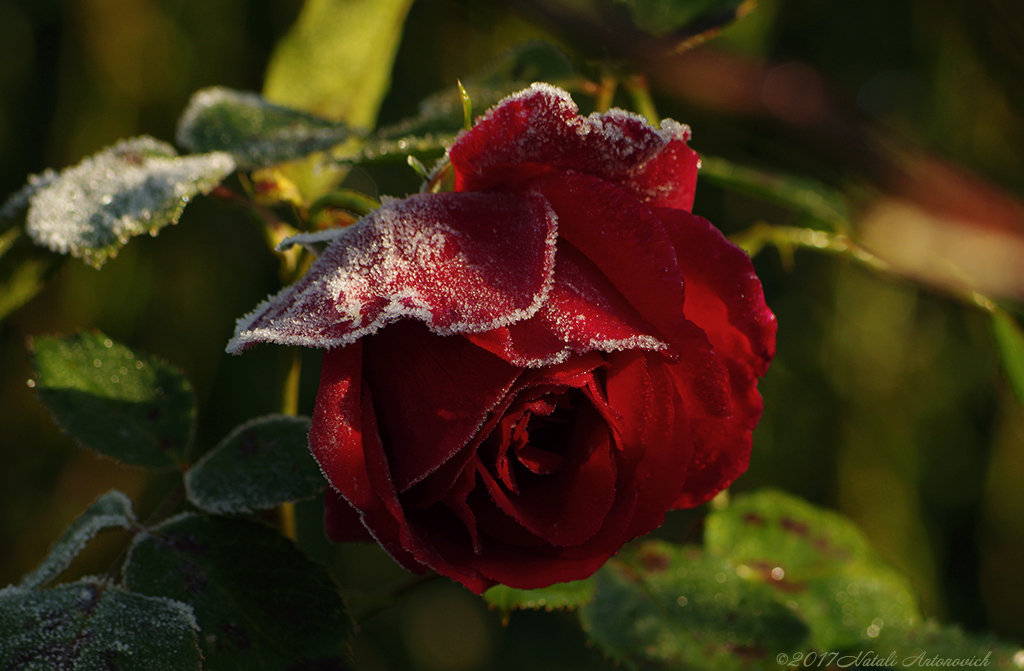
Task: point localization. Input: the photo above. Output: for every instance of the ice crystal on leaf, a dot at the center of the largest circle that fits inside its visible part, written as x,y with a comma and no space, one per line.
136,186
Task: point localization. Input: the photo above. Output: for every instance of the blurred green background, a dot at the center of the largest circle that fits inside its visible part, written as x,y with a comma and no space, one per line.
885,401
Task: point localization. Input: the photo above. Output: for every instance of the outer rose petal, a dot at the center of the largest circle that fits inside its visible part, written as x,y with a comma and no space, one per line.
460,262
539,132
725,299
723,295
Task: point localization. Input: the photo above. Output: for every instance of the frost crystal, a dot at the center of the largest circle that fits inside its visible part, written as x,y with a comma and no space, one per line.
428,257
110,511
137,186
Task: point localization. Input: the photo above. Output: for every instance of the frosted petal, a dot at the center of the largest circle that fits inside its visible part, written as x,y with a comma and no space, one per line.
137,186
539,131
583,313
255,132
460,262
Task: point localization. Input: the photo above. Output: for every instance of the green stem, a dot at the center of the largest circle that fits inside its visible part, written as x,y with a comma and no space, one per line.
640,94
606,92
788,238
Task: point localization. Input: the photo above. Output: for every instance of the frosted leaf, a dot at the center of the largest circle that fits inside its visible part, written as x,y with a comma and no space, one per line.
127,405
19,199
112,510
260,602
261,464
137,186
460,262
92,625
255,132
383,150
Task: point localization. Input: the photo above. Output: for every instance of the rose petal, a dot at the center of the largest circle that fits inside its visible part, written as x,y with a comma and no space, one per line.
338,442
431,395
624,239
570,506
539,132
725,298
584,313
460,262
342,522
723,295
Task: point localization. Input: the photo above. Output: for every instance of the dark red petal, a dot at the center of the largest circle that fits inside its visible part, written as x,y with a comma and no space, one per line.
723,295
624,239
668,446
458,262
342,522
584,313
570,506
539,132
431,395
336,435
404,537
721,454
725,298
340,433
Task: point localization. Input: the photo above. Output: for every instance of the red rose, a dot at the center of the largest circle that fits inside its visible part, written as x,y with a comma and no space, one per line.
514,385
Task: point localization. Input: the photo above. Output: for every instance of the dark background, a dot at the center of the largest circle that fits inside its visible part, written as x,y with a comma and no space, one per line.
886,400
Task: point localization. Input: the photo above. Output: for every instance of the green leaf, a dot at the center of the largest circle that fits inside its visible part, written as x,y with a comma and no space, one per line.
565,595
255,132
383,150
259,601
821,203
1010,338
112,510
818,563
336,62
260,465
133,407
660,606
24,269
684,18
932,641
93,626
19,200
137,186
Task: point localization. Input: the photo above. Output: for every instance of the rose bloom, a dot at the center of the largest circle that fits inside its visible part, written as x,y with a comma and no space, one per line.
524,374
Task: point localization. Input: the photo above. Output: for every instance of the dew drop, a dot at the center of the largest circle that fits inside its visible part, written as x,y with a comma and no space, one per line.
97,363
872,631
682,601
1018,659
108,343
123,370
138,364
115,379
778,573
720,577
31,383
